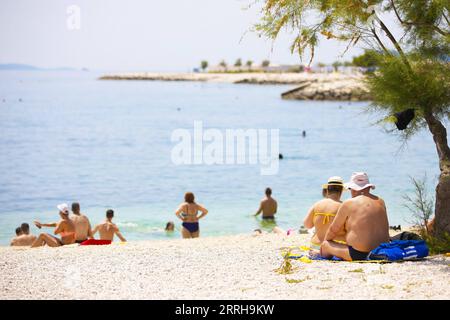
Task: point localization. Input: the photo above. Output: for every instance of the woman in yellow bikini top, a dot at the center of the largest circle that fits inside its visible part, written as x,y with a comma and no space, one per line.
322,213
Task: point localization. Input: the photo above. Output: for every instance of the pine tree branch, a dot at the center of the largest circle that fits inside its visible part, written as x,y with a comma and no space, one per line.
379,41
395,43
426,25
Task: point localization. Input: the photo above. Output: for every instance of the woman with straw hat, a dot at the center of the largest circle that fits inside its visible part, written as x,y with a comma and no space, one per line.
323,212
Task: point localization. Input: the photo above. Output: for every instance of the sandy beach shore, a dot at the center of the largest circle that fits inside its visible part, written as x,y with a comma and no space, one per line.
231,267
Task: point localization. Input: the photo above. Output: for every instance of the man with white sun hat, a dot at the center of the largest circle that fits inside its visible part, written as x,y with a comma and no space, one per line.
364,217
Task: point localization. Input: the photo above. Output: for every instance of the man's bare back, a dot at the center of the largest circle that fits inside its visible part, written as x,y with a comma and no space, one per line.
268,207
366,223
107,230
23,240
82,226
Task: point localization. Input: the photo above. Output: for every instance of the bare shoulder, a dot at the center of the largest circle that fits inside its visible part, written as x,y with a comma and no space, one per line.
321,202
349,203
381,201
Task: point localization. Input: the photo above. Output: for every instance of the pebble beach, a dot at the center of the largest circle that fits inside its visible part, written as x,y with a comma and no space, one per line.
229,267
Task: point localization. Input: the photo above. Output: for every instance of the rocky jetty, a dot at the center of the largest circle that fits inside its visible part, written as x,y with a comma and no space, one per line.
346,89
309,86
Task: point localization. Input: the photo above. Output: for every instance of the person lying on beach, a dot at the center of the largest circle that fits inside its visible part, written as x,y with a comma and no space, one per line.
363,217
268,206
108,229
323,212
188,213
23,238
83,229
65,228
275,230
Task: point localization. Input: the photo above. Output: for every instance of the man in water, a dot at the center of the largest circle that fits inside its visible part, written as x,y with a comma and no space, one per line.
83,229
108,229
268,206
363,217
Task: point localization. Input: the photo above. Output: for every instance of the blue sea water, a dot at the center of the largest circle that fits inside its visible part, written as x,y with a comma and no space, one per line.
66,136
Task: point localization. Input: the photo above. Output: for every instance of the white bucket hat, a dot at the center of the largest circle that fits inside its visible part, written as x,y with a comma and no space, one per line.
63,207
359,181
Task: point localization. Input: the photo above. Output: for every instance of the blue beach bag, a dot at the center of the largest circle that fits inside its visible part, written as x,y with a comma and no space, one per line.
400,250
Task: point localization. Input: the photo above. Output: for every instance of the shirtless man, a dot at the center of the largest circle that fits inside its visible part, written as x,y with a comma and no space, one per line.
268,206
65,228
14,241
108,229
323,212
83,229
24,238
364,219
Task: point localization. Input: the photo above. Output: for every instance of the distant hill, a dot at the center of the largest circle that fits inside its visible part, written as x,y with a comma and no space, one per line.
18,66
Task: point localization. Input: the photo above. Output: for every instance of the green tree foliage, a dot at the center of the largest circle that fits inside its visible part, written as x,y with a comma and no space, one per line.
223,64
367,60
238,63
413,69
336,65
204,65
249,64
265,63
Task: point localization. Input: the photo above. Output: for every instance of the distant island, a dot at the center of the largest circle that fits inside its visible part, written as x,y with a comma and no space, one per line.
17,66
27,67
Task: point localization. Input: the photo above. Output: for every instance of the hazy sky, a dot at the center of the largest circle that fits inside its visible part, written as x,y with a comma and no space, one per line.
153,35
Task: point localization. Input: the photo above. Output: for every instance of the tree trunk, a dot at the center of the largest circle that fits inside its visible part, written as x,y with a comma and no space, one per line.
442,206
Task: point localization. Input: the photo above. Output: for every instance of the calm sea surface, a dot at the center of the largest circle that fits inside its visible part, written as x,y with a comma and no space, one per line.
65,136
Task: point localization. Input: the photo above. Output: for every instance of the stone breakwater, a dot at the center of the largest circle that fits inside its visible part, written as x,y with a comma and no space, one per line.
334,86
352,89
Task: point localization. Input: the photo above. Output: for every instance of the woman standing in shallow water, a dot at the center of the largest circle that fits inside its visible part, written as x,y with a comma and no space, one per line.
188,213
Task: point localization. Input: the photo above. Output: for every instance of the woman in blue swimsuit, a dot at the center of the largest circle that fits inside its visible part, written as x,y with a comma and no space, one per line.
188,213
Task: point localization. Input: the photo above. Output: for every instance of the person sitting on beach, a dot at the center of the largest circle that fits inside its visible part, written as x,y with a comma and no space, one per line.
65,228
108,229
24,238
170,226
188,213
83,229
14,241
364,219
268,206
323,212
